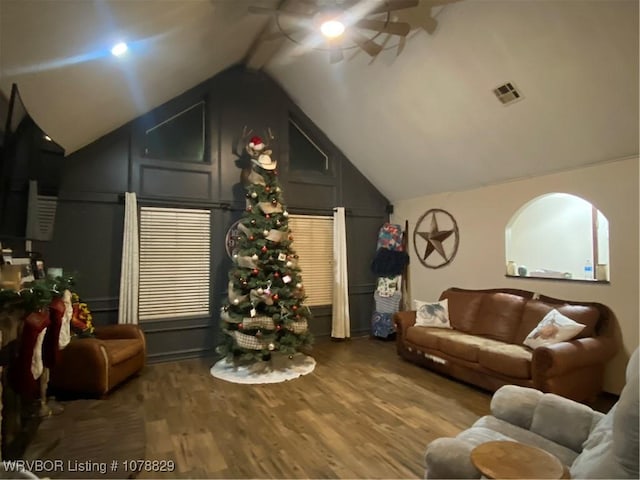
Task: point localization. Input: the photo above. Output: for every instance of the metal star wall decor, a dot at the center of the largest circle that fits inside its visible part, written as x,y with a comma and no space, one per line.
429,239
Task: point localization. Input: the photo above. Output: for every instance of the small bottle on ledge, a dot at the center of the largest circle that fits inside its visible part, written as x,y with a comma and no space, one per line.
588,270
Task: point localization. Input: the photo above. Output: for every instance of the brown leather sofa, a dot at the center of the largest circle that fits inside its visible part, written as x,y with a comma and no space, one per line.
484,346
93,366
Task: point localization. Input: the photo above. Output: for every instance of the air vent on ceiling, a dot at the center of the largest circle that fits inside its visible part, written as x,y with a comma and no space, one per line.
507,93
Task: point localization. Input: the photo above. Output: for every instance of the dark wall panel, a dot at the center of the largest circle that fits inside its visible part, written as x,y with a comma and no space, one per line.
173,182
358,192
305,195
87,240
362,237
173,340
102,166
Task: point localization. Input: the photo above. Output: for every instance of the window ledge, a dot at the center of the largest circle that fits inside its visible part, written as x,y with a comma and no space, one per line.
579,280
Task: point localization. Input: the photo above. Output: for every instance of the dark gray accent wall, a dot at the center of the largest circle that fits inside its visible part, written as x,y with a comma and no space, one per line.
88,231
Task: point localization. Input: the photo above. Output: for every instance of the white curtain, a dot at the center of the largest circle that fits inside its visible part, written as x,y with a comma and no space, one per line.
130,272
341,324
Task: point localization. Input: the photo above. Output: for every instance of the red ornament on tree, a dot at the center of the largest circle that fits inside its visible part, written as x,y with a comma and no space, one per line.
255,271
267,216
252,238
294,308
264,249
276,274
275,297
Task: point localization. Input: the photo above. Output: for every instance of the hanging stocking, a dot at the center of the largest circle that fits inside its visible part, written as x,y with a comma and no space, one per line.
27,368
50,350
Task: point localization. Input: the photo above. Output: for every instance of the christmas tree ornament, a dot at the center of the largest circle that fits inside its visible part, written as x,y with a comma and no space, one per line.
254,257
274,201
264,249
253,221
285,214
254,195
275,297
286,279
255,271
276,274
267,216
252,238
271,346
265,233
289,264
282,257
267,188
298,285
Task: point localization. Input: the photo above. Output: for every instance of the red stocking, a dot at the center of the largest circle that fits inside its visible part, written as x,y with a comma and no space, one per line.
20,373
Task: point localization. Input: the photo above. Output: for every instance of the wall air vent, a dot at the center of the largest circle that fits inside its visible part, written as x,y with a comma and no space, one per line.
507,93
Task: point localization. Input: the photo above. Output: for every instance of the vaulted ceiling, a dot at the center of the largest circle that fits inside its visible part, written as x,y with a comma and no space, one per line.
420,122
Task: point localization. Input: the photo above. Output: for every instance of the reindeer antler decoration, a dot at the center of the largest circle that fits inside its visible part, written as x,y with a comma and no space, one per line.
260,152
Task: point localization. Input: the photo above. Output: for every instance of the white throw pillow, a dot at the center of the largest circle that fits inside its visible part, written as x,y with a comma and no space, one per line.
435,314
553,328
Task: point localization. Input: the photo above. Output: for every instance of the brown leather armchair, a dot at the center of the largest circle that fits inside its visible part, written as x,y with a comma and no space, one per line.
93,366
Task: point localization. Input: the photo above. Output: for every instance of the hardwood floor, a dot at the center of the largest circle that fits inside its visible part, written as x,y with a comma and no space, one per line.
362,413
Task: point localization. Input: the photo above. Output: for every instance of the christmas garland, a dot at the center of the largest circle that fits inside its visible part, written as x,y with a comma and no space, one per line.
36,295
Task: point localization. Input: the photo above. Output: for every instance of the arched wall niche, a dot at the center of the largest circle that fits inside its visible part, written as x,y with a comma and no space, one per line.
559,236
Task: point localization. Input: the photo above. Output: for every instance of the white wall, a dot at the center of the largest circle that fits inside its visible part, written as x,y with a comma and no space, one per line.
482,215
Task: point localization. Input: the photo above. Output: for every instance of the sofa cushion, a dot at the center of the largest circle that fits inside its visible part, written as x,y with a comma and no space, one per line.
427,336
463,307
506,359
499,316
122,349
563,421
464,346
535,310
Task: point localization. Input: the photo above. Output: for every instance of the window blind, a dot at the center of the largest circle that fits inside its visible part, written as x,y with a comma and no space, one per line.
313,242
175,247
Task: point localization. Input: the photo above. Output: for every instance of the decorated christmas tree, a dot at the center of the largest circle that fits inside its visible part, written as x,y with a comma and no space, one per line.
264,312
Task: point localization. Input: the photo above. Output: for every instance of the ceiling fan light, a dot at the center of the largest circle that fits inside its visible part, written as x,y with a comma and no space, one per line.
332,28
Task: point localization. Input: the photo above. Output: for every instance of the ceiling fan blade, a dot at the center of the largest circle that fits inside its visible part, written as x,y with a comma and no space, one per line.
369,46
278,13
335,55
275,35
391,5
394,28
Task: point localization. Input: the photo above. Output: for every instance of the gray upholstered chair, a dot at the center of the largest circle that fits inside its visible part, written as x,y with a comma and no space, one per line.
589,443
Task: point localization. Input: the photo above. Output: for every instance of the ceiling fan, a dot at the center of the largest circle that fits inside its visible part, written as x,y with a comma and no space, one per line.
339,25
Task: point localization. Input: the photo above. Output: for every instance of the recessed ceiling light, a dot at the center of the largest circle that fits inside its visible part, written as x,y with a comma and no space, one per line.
332,28
119,49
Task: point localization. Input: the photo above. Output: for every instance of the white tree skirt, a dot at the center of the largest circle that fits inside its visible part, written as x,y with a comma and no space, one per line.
263,372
